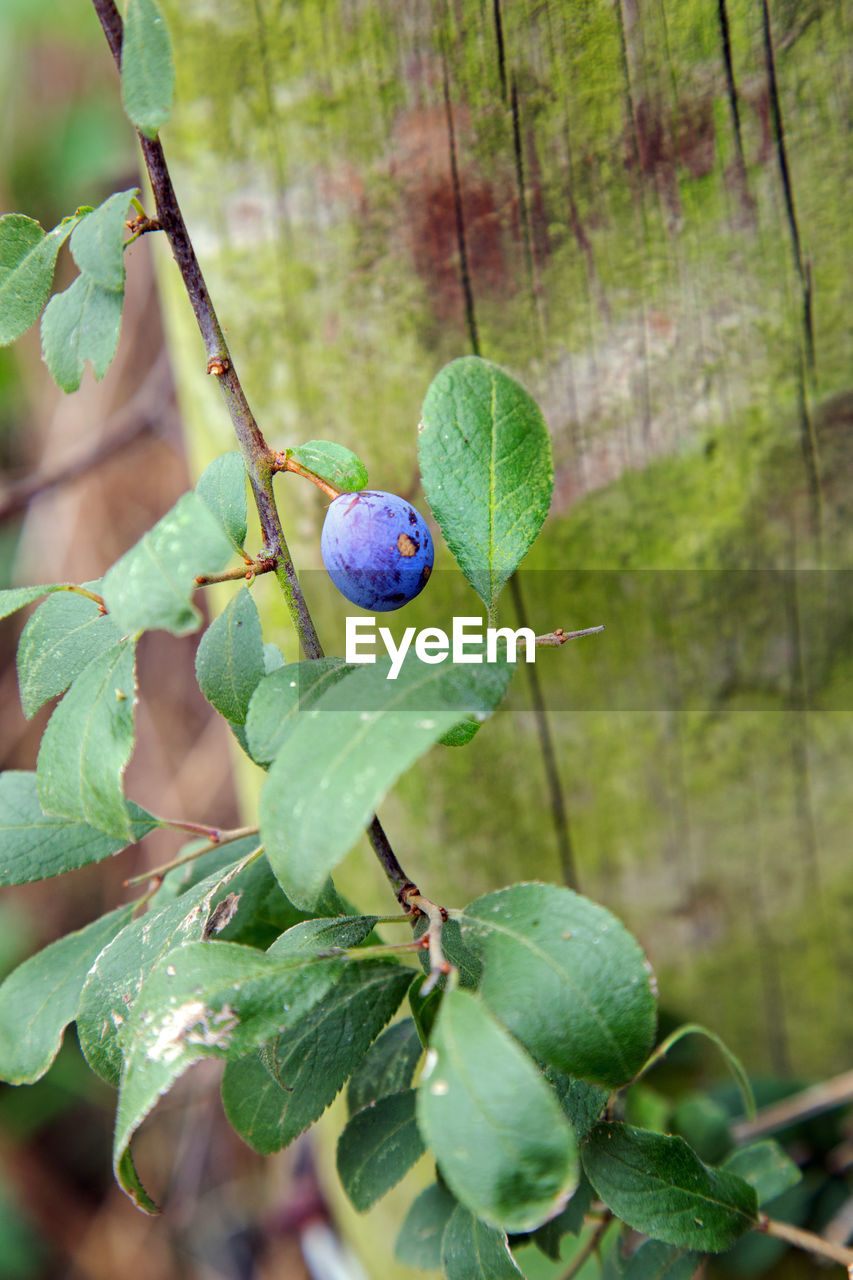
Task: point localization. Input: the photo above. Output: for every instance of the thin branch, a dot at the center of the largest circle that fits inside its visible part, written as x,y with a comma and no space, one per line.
216,840
592,1243
399,881
258,457
557,803
554,639
808,1242
139,415
438,966
809,1102
251,569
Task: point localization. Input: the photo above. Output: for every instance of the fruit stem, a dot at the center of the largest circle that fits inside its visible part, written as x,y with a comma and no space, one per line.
281,462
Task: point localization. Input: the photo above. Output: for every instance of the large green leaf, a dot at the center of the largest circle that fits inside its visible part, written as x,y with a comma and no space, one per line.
472,1250
41,996
387,1067
313,1059
34,845
27,260
658,1185
766,1167
378,1147
116,977
485,458
203,1000
147,69
332,462
419,1240
87,744
80,324
61,637
348,749
281,697
229,661
150,586
566,977
97,242
222,489
502,1143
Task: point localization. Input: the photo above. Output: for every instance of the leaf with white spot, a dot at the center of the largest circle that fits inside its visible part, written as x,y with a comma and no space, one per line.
202,1000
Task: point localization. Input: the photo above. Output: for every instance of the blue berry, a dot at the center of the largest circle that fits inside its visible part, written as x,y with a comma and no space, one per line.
377,549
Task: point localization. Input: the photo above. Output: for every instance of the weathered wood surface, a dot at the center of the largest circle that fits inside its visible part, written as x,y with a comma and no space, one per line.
638,207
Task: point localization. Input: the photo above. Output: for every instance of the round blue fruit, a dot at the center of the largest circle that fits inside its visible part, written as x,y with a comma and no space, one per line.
377,549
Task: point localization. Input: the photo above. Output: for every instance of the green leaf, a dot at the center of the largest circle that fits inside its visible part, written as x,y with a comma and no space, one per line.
334,463
61,637
27,260
222,489
419,1241
36,846
147,70
16,597
311,1061
265,913
116,977
87,744
485,458
471,1250
80,324
273,658
378,1147
204,1000
424,1010
40,997
281,697
253,1103
229,662
582,1102
319,935
548,1237
150,586
566,978
387,1067
97,242
766,1167
502,1143
346,752
658,1185
461,734
657,1261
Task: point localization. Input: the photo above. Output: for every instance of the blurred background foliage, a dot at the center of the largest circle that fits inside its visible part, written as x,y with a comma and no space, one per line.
630,257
